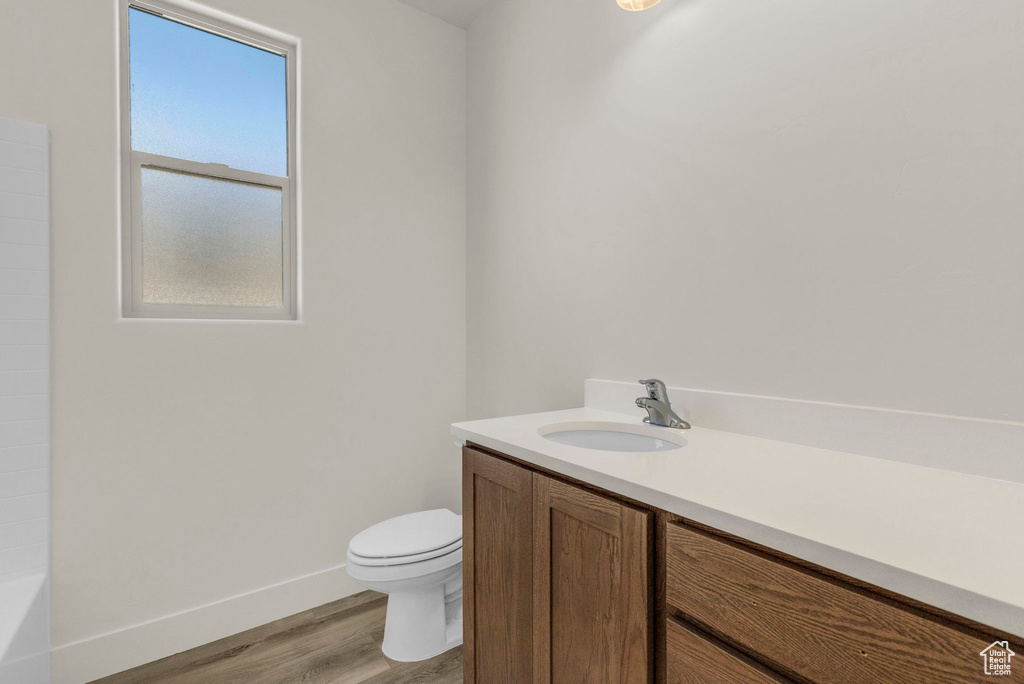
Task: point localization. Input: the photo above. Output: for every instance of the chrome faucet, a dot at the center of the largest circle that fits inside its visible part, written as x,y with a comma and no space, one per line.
659,410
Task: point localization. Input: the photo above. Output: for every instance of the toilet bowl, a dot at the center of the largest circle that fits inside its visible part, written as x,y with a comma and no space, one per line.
415,559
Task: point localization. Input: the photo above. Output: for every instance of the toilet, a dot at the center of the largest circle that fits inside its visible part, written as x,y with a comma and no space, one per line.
415,559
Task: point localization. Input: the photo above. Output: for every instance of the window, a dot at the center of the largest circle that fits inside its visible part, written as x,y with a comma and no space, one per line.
208,147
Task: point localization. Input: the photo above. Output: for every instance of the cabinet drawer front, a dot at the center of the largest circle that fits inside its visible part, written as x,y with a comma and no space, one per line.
807,624
692,659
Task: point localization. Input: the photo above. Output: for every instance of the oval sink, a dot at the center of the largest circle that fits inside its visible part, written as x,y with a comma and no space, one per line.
612,437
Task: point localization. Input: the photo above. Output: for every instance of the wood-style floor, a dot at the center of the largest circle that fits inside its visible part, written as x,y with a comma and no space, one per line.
338,643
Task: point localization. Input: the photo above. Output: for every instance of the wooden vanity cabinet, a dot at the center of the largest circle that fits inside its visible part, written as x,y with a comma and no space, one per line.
693,657
567,584
556,578
497,570
808,625
591,587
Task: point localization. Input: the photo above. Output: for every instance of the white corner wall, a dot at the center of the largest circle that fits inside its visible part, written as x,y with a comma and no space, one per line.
813,199
207,476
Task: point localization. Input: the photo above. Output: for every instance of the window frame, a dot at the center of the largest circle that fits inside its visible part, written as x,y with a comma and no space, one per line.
132,163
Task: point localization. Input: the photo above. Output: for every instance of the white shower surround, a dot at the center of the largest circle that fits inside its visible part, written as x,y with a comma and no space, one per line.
24,403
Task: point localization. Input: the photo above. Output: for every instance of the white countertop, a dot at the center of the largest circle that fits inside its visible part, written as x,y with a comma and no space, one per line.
948,539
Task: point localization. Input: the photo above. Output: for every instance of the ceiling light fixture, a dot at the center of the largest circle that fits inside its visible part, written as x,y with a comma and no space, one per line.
637,5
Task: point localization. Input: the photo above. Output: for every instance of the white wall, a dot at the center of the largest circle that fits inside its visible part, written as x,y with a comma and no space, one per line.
24,349
196,462
816,199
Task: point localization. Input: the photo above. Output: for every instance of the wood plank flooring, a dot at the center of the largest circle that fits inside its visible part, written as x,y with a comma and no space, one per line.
338,643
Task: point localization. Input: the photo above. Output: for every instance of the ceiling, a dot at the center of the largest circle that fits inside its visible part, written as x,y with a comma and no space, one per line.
458,12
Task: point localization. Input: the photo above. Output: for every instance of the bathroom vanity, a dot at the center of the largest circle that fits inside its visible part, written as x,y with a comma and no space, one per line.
583,565
552,568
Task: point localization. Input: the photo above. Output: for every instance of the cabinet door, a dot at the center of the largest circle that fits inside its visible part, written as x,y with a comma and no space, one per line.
591,595
497,548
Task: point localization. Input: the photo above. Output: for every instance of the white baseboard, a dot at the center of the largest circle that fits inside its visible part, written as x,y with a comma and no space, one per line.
990,448
106,654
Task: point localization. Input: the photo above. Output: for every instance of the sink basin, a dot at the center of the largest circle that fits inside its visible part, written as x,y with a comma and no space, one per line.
613,436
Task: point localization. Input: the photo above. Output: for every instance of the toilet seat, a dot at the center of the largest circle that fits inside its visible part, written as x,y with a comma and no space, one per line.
403,571
404,560
411,538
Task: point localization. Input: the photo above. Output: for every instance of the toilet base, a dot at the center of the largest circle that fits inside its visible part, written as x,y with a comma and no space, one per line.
422,624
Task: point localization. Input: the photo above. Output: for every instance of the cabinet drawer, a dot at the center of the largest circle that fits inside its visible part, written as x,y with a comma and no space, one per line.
809,625
692,659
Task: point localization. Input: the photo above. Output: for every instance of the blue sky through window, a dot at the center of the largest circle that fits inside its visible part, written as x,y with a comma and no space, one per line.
205,98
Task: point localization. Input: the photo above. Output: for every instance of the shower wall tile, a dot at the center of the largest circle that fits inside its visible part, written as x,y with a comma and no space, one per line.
23,383
16,459
14,282
24,133
25,256
22,181
23,232
19,357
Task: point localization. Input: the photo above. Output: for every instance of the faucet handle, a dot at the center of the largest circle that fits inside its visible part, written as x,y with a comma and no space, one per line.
655,389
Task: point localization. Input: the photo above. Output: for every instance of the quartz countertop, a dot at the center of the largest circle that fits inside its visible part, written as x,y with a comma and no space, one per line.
948,539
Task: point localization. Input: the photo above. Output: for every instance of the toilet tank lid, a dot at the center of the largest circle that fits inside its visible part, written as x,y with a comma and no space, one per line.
410,534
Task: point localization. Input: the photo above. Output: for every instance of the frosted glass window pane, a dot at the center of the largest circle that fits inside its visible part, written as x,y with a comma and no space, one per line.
205,98
210,241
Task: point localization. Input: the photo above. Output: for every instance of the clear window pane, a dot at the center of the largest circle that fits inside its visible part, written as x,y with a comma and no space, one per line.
210,241
205,98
